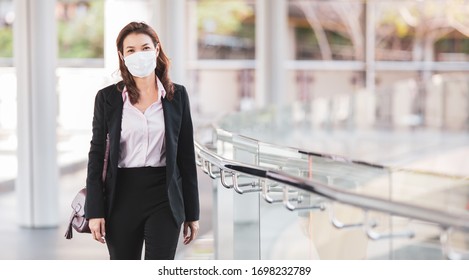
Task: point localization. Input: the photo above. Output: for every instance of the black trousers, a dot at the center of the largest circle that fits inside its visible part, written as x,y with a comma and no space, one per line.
141,213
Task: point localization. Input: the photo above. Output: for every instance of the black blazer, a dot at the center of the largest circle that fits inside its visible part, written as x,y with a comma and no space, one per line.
181,175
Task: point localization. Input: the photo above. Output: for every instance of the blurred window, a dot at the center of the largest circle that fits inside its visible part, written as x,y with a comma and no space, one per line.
80,28
435,30
223,29
327,30
7,16
80,32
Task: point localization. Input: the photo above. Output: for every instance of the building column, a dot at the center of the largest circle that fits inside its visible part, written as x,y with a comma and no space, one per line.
159,20
370,59
175,38
365,115
271,52
35,54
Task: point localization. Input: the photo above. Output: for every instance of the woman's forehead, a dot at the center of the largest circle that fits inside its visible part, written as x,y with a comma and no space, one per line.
137,39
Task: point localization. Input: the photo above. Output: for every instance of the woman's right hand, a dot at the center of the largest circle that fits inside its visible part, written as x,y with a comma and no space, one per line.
98,230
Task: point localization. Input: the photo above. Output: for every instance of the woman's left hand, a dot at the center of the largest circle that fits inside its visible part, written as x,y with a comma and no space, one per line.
194,229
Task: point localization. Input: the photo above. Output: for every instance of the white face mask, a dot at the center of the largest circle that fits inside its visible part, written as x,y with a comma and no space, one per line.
141,64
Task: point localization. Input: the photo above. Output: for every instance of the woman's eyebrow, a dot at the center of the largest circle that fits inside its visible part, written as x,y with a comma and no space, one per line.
131,47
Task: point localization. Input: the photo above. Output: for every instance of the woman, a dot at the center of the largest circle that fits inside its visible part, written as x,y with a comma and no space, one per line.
150,188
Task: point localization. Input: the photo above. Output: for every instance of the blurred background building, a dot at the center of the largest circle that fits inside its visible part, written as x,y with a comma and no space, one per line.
380,81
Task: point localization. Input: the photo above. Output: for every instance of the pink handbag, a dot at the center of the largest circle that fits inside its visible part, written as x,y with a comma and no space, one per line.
77,219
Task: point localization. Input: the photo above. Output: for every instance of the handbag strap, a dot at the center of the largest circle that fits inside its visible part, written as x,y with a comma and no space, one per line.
106,158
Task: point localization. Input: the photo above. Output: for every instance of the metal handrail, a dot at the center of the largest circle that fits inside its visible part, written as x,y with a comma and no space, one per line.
443,219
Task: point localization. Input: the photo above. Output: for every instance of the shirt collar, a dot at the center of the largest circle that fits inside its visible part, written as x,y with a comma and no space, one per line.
162,91
161,87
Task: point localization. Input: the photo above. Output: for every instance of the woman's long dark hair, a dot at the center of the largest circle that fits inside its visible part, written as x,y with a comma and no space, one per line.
162,62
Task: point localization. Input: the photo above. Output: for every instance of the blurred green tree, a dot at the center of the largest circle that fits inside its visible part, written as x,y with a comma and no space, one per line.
6,41
222,17
83,35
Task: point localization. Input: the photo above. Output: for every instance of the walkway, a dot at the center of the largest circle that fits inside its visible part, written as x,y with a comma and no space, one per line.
49,243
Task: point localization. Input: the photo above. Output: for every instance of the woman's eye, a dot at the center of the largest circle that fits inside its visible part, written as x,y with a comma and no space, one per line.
146,48
130,51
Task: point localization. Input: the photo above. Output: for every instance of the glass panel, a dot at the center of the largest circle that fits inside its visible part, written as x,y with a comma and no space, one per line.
246,205
285,234
80,28
422,30
357,178
223,207
326,30
445,193
437,191
310,233
222,29
7,16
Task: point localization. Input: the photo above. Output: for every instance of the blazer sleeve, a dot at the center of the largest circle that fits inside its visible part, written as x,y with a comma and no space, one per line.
186,161
94,203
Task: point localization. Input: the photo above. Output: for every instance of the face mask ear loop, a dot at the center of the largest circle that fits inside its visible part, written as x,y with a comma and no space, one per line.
157,53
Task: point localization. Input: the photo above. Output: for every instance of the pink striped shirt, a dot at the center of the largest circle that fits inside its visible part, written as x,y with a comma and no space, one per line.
142,135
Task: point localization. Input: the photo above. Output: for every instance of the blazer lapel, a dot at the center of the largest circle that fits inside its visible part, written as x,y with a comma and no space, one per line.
172,122
113,113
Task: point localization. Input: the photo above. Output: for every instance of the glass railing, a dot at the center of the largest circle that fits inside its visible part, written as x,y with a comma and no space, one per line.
277,202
